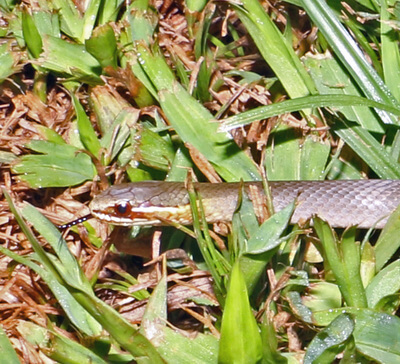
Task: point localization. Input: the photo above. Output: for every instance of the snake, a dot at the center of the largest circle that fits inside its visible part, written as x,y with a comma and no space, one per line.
366,203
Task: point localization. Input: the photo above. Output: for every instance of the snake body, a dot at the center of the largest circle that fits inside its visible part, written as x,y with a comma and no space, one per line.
366,203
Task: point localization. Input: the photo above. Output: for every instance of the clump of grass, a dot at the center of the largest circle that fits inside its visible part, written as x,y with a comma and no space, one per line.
103,92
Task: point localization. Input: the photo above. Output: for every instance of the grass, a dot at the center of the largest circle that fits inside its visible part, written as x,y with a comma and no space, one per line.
105,92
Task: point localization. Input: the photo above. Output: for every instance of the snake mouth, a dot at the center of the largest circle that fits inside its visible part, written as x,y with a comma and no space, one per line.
132,220
144,216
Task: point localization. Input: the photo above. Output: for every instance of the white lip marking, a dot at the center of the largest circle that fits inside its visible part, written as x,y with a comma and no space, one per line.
125,221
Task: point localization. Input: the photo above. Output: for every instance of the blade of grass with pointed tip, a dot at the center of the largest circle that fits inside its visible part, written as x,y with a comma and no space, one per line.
8,61
86,132
103,46
240,336
300,103
177,348
71,19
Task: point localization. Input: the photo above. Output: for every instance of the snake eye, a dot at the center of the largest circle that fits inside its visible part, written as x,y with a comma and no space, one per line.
122,209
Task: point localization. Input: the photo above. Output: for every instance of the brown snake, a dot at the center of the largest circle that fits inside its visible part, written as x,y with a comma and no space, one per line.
366,203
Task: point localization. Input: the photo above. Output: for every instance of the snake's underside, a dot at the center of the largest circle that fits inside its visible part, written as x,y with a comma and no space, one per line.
366,203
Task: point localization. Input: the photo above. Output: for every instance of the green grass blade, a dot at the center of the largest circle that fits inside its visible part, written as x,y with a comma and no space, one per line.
70,60
347,50
57,347
389,240
330,77
103,46
86,131
240,337
193,122
377,335
288,106
370,150
384,284
289,158
78,316
119,328
390,52
60,165
8,353
327,344
71,20
344,259
32,37
275,50
8,61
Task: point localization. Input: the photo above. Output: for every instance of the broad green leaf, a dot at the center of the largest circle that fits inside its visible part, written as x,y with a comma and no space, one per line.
329,342
177,348
109,11
50,135
143,21
290,157
385,283
58,166
153,150
69,60
103,46
32,37
267,236
322,296
156,312
377,335
173,346
262,245
71,20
